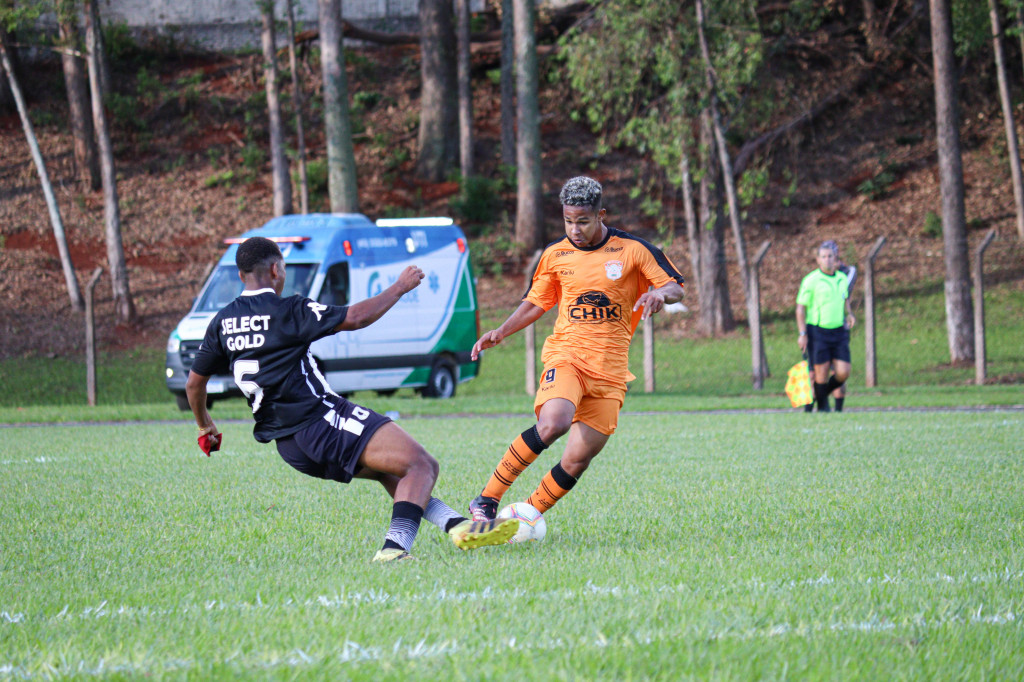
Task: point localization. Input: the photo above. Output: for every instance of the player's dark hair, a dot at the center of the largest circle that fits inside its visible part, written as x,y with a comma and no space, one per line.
581,191
256,253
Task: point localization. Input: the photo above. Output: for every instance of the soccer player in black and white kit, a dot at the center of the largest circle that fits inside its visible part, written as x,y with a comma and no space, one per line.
263,341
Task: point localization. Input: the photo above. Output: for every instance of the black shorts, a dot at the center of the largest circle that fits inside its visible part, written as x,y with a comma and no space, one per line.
330,447
825,345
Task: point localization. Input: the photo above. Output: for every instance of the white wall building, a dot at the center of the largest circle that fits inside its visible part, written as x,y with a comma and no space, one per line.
234,24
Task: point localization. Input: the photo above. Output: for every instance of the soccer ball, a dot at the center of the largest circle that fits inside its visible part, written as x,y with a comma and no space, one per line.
532,525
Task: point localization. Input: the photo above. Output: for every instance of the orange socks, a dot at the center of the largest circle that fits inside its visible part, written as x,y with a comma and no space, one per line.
553,487
520,454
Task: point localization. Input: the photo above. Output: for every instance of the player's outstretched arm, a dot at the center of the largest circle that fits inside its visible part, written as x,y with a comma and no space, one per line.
654,300
195,389
525,315
365,313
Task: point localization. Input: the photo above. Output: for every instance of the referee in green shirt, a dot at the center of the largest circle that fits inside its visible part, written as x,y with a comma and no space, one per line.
823,317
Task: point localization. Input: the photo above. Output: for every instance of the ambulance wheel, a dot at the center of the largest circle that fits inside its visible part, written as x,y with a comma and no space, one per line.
441,383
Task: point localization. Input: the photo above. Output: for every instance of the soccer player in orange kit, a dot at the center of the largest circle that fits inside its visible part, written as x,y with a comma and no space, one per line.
599,278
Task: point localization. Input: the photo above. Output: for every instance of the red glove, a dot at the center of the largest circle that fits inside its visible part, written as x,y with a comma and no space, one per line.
210,442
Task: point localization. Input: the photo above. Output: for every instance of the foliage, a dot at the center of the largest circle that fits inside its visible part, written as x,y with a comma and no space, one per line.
15,16
972,29
477,203
877,186
932,225
638,79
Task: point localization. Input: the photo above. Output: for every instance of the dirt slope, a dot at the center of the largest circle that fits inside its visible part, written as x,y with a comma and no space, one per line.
175,215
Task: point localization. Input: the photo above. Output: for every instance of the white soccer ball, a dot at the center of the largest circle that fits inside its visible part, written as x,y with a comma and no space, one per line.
532,525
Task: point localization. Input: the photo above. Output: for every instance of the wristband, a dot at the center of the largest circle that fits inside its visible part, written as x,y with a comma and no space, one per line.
803,333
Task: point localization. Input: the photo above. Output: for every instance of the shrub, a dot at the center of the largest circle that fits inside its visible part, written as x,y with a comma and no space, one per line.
932,225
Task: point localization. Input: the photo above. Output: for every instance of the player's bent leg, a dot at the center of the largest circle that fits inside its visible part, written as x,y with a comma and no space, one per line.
584,444
553,419
392,451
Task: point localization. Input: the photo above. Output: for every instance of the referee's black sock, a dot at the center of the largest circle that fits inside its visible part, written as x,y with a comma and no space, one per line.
821,392
833,384
839,404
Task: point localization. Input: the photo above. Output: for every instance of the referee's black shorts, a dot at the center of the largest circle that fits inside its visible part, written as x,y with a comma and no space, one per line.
827,345
330,447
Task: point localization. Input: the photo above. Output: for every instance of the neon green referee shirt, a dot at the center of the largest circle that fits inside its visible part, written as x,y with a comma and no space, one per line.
824,296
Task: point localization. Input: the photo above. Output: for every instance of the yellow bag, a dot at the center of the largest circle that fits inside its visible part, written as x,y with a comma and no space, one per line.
798,385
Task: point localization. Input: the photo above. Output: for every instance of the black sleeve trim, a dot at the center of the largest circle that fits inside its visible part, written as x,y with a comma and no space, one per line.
659,255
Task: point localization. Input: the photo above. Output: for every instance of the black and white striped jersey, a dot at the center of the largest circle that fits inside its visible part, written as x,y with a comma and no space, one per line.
263,341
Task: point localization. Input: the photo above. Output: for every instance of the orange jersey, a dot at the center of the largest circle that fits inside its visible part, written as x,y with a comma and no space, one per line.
595,289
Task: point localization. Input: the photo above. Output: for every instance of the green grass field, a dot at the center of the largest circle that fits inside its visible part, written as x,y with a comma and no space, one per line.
872,545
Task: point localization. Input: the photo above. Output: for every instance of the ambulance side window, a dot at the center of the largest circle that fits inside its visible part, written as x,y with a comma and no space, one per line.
335,288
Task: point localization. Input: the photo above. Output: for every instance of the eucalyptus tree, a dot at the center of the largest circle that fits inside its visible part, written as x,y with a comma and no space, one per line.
281,181
341,157
529,227
465,88
438,138
959,305
76,83
124,305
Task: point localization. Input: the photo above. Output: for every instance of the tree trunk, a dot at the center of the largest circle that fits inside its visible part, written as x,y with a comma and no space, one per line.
282,183
691,216
1012,146
465,89
508,85
76,82
959,307
723,152
124,306
439,116
528,166
341,159
297,102
74,293
716,316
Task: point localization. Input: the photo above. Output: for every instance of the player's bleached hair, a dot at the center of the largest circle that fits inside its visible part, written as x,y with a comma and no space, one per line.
581,191
831,245
256,253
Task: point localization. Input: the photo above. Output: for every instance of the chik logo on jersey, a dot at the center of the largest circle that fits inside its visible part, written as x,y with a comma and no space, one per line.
594,307
613,269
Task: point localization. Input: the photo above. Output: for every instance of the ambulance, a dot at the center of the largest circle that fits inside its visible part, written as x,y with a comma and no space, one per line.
423,342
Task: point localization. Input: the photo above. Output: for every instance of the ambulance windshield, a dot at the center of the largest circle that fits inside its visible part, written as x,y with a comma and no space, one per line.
224,285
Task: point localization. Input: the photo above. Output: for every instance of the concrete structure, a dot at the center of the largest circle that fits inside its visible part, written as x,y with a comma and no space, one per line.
234,24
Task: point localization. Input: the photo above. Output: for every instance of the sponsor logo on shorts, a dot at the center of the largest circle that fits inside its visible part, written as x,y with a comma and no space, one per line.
594,307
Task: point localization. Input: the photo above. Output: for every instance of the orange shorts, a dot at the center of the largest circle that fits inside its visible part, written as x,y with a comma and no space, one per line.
597,403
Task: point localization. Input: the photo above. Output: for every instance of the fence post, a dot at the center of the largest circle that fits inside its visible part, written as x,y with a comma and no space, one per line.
649,353
531,332
870,379
90,339
757,354
979,309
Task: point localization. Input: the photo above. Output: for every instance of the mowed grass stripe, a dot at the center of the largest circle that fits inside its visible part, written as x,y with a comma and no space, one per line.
728,546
